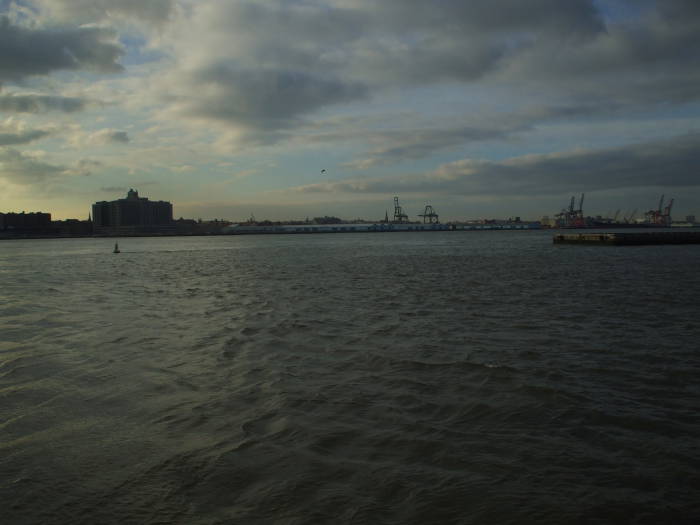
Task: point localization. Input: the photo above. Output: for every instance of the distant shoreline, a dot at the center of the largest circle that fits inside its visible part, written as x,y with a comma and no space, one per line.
306,231
102,236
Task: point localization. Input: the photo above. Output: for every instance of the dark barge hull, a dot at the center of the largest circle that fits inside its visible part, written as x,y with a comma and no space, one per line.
628,238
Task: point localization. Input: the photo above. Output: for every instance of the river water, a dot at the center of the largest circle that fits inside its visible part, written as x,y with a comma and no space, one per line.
448,377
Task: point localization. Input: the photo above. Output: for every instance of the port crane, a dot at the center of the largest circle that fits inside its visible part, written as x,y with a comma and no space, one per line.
667,213
429,215
399,215
660,216
572,217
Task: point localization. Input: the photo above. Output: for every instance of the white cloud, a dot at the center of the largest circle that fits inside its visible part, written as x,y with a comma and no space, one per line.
14,132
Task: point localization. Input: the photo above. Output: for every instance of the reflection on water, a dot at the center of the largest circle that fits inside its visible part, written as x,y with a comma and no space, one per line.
478,377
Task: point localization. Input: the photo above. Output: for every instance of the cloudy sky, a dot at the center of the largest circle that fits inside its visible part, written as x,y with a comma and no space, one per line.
227,108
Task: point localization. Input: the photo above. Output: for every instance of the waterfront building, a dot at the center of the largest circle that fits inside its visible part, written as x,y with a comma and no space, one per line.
73,227
34,222
132,215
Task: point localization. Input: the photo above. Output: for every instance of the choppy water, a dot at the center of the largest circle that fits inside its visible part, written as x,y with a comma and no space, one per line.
471,378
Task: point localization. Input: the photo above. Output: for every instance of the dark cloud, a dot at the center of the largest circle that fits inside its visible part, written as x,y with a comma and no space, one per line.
681,11
412,144
577,17
414,41
109,136
26,51
648,60
259,99
40,103
84,167
149,11
564,49
119,136
14,138
663,164
261,69
398,40
25,169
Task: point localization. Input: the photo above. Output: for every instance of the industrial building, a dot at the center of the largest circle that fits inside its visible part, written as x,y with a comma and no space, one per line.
132,215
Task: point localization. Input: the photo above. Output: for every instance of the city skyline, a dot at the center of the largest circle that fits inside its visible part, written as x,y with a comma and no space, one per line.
574,209
331,107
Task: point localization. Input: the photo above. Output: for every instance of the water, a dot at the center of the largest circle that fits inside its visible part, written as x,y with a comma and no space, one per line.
456,377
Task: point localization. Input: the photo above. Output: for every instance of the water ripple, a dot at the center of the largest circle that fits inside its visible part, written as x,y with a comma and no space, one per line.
427,378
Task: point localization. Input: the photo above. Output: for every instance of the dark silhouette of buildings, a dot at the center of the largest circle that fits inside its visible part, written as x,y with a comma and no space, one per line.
73,227
20,223
132,215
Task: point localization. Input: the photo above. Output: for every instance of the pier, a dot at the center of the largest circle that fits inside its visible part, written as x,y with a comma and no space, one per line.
629,238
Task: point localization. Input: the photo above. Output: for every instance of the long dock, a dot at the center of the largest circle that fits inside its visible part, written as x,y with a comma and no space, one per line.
628,238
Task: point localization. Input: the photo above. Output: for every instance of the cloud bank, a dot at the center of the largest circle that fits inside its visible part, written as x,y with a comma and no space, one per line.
81,11
14,132
457,97
29,51
31,103
666,163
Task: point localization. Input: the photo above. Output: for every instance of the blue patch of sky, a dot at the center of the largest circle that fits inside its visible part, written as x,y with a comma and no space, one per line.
137,51
8,6
623,11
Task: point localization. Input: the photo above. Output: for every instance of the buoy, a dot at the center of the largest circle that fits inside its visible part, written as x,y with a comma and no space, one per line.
116,248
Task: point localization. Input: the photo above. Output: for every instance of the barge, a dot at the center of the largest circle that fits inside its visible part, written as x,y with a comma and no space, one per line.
629,238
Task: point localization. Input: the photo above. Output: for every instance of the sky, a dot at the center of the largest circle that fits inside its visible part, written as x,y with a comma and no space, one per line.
287,109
